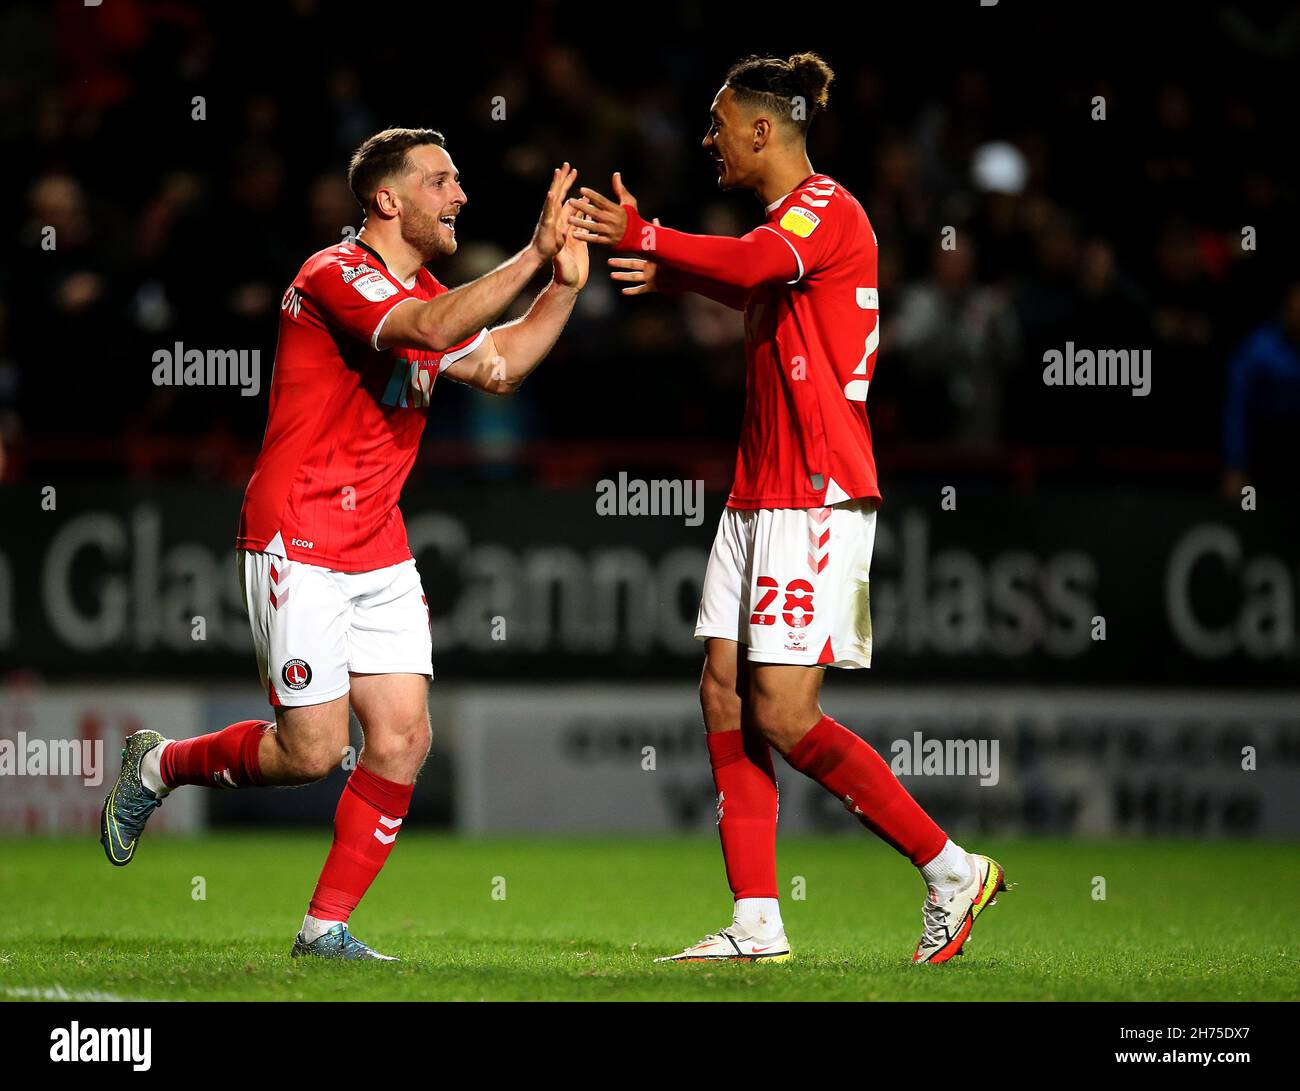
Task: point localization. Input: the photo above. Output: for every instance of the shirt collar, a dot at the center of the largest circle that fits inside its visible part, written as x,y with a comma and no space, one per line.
777,203
376,255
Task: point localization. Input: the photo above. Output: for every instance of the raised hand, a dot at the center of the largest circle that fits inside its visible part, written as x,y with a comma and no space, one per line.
549,238
604,221
621,195
571,262
641,275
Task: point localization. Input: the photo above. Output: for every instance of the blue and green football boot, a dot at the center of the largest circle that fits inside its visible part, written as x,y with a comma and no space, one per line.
129,805
338,942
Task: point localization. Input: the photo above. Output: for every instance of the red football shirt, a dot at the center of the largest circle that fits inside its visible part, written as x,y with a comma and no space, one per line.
810,350
345,418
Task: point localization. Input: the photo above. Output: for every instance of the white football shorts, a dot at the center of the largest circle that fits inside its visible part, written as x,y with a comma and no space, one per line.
793,584
313,626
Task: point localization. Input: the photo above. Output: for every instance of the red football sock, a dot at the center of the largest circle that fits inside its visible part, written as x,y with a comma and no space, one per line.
369,814
747,804
851,770
225,759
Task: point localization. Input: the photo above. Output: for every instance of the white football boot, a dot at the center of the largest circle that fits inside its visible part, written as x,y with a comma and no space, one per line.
734,943
949,916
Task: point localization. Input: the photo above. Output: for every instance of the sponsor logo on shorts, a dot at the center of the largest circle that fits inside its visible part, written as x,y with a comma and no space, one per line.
302,544
296,674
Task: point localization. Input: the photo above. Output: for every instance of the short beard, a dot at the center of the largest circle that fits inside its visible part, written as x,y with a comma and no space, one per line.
422,233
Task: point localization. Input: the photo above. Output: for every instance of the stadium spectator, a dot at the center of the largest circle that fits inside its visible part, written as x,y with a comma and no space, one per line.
955,339
1128,232
1261,415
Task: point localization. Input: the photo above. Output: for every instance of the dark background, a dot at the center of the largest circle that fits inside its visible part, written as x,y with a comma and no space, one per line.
1122,233
1126,232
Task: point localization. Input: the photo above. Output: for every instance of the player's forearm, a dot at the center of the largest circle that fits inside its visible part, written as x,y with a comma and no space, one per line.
743,263
455,315
524,343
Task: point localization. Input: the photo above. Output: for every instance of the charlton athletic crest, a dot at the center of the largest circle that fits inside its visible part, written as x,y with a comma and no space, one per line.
296,674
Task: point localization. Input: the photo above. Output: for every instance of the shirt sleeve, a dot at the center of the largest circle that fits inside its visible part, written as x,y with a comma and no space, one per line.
746,262
809,222
448,356
356,303
460,351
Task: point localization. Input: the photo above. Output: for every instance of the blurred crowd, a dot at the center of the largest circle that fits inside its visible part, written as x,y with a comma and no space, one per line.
189,158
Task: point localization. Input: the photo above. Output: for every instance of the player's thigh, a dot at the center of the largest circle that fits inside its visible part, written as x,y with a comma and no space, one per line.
393,710
299,618
720,685
310,741
390,702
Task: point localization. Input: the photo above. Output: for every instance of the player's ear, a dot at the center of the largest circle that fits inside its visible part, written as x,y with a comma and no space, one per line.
762,133
386,201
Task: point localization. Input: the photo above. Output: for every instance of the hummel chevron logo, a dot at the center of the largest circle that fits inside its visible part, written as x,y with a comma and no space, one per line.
279,593
390,823
819,536
807,197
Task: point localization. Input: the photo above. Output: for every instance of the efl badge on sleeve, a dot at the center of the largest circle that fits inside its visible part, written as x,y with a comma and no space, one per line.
800,221
375,287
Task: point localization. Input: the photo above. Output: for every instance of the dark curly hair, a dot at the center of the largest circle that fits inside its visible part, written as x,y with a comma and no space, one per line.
780,86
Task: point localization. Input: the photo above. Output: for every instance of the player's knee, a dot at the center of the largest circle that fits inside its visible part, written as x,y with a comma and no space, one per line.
401,745
421,739
780,723
306,765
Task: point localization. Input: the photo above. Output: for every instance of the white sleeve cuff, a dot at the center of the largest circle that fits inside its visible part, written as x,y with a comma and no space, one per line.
374,337
451,357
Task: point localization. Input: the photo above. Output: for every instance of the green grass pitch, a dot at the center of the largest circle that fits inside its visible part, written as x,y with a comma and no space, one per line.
582,920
